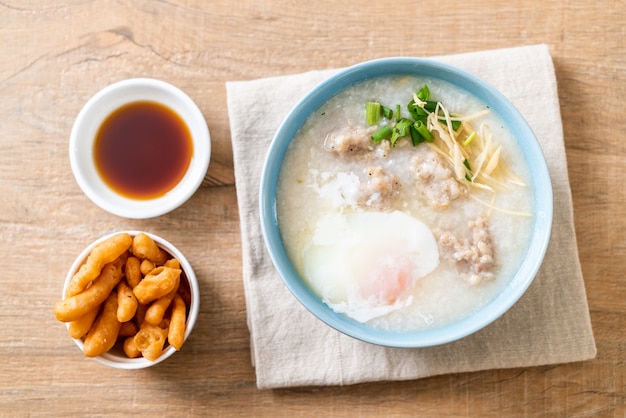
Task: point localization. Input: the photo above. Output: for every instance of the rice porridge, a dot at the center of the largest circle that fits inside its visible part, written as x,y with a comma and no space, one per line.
412,229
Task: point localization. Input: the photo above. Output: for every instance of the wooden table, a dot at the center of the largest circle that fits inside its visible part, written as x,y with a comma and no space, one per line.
55,55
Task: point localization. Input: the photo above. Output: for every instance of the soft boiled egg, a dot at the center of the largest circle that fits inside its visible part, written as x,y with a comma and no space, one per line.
366,264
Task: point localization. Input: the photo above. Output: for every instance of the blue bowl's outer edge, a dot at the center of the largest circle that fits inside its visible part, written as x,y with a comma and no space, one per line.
477,88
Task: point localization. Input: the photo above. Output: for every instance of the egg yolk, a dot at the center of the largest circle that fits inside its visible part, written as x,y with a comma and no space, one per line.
387,280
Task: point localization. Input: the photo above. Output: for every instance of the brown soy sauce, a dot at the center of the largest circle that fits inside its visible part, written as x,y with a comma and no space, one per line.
142,150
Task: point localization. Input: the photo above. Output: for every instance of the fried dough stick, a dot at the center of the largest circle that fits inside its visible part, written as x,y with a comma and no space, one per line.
73,307
102,254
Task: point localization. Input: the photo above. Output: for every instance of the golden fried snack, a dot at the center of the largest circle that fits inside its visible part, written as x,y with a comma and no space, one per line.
150,339
146,266
144,247
132,299
172,263
73,307
102,254
176,332
133,271
128,329
80,327
103,334
130,349
126,302
159,282
156,311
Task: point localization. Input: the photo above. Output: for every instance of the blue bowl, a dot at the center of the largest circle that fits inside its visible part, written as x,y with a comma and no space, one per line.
540,178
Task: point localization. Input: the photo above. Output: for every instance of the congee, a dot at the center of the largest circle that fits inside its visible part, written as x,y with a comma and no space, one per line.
404,203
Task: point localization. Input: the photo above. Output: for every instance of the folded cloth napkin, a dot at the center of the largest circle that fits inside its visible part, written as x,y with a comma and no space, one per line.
290,347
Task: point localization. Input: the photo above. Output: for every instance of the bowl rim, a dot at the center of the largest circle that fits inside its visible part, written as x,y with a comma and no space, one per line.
476,87
99,107
119,362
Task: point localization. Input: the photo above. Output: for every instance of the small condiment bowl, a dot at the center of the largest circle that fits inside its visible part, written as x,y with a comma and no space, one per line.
99,108
115,357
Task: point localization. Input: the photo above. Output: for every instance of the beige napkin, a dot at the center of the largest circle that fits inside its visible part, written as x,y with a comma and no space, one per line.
290,347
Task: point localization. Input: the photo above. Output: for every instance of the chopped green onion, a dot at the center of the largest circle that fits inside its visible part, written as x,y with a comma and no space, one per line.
423,131
430,105
383,132
400,130
414,127
372,113
415,110
456,124
424,93
416,138
422,118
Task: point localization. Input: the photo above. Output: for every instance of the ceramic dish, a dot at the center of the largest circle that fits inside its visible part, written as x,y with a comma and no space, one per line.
541,207
99,108
115,357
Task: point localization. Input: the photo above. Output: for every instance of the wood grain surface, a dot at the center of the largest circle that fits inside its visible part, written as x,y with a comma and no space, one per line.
54,55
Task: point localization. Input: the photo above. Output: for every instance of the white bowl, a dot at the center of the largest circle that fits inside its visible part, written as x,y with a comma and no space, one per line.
94,113
116,358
